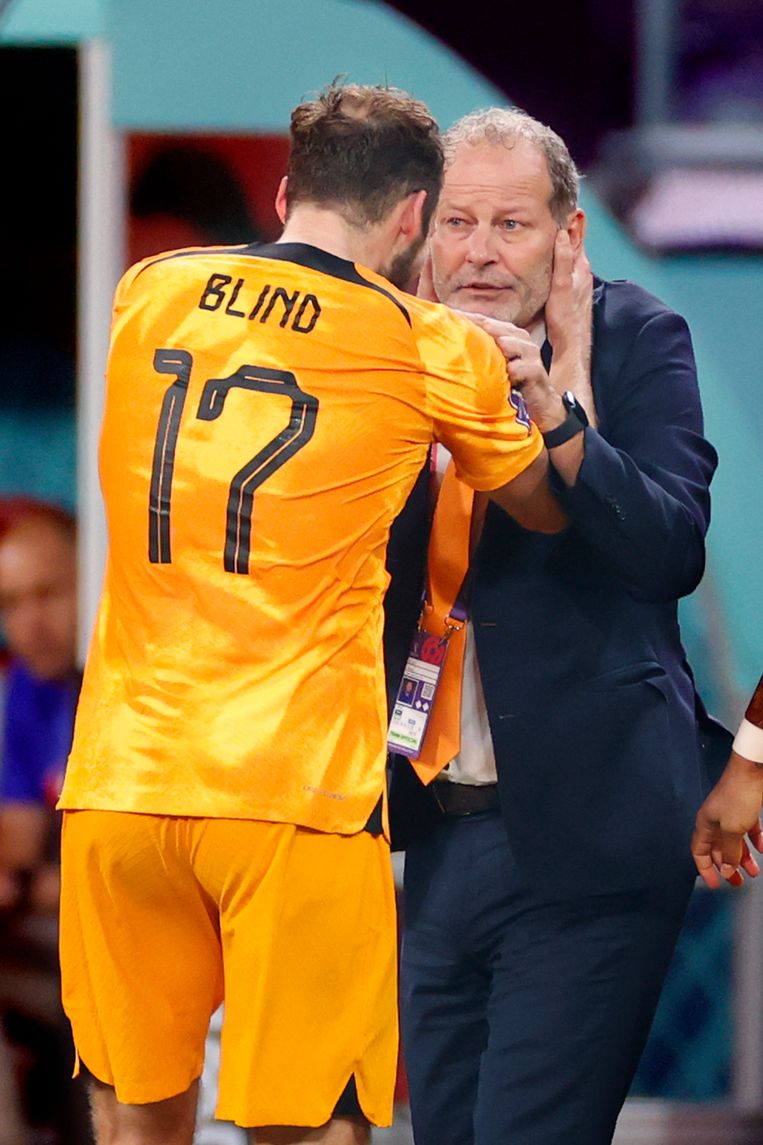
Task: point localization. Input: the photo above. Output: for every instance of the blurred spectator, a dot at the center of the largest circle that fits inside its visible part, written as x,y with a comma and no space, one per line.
186,196
38,614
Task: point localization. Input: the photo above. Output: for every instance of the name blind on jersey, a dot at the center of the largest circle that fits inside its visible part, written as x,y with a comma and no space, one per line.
237,299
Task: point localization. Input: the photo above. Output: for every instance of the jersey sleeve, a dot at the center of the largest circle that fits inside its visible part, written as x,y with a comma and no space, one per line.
476,414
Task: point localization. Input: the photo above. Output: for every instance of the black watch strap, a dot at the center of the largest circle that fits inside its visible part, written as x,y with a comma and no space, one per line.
575,420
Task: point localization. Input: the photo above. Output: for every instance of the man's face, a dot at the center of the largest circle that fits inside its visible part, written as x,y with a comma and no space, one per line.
493,239
38,604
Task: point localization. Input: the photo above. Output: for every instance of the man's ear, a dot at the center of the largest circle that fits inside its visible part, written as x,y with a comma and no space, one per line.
575,228
281,199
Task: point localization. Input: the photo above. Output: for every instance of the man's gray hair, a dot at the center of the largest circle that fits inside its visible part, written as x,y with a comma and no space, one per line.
504,126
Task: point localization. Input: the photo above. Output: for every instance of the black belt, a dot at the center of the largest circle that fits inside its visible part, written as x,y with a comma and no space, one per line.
464,798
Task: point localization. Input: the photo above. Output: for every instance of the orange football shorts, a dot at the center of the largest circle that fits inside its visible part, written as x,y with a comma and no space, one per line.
163,918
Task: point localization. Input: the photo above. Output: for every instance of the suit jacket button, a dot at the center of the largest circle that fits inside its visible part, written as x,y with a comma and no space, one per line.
613,504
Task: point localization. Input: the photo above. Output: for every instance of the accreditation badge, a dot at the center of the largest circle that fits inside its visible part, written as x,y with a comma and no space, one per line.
415,696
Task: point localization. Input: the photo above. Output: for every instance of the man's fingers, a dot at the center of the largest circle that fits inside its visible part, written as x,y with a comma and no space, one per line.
511,340
425,288
756,835
496,327
749,863
719,853
708,873
511,348
563,261
732,845
734,853
702,844
582,263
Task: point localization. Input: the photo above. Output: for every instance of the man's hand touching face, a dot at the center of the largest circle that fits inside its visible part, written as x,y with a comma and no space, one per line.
570,300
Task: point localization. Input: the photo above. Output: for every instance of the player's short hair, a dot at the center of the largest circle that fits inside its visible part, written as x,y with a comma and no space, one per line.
361,149
503,126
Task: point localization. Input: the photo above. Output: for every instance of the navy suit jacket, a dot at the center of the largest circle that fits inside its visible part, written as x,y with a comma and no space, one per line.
602,744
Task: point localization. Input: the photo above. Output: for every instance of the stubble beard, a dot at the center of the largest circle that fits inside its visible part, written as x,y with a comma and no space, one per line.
402,268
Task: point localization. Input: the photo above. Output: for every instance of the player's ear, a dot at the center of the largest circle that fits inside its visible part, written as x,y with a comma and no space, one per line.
282,199
411,220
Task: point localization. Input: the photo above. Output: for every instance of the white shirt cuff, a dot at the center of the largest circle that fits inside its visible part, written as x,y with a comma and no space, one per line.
749,742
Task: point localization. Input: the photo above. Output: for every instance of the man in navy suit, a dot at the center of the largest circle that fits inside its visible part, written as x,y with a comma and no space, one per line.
548,867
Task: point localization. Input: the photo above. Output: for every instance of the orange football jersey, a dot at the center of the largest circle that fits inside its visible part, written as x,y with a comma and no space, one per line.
268,409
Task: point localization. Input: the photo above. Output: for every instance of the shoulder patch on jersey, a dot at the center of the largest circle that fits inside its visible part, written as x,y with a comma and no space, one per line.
520,408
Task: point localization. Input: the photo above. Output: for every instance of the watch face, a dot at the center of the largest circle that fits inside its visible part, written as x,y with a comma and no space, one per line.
573,406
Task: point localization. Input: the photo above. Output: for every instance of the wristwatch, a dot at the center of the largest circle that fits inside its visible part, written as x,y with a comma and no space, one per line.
575,420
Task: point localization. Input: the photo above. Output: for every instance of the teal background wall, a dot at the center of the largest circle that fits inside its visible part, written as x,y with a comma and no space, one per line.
52,21
242,64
